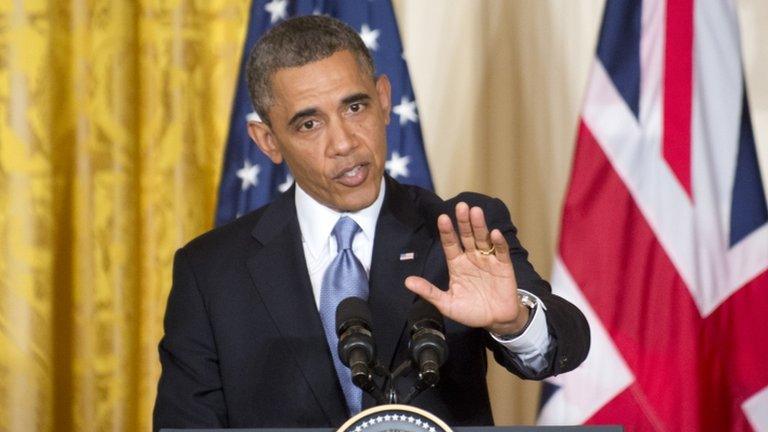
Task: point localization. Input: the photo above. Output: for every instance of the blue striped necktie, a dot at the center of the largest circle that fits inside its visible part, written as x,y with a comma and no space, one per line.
345,277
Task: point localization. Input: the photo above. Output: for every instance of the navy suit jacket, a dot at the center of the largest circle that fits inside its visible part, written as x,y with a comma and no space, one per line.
244,345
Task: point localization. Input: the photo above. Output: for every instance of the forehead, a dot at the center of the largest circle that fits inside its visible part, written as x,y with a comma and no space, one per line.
326,80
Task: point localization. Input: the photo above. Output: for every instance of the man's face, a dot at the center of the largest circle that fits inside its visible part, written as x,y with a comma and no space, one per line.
328,121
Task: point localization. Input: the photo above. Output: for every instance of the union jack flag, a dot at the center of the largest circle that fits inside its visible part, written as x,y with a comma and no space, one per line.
249,179
664,238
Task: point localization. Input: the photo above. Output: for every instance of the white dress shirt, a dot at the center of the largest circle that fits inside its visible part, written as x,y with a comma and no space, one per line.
316,222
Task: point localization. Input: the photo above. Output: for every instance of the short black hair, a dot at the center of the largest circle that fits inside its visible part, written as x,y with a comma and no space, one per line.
296,42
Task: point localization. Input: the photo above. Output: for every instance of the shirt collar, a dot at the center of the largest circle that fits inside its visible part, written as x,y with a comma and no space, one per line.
317,221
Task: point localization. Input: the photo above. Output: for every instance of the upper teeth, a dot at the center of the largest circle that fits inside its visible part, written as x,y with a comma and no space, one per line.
352,172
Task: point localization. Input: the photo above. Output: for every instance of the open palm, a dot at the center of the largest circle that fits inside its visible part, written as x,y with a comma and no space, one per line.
482,291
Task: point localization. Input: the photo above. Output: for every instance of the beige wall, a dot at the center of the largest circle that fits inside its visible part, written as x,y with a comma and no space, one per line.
499,85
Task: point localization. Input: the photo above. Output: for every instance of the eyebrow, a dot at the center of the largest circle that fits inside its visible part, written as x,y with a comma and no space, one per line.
301,114
357,97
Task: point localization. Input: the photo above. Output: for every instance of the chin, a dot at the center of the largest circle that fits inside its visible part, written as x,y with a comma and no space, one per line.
360,200
353,206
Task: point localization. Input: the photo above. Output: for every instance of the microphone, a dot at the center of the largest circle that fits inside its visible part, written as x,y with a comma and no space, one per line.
357,349
429,349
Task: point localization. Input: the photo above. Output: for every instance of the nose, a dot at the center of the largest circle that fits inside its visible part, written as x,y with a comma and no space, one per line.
342,138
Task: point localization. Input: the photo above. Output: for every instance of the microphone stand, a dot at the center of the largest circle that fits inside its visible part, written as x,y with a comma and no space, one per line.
389,394
357,350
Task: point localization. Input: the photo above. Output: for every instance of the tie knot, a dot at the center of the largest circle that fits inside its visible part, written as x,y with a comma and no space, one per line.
344,231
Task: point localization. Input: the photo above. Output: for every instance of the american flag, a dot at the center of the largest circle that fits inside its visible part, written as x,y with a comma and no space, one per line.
664,238
249,179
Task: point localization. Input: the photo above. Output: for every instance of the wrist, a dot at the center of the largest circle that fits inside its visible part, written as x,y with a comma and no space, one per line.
526,310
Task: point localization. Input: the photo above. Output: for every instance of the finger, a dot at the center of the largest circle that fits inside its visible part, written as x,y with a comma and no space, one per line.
448,237
502,248
428,292
479,228
465,228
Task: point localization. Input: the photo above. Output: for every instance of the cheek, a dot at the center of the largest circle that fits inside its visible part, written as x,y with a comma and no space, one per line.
306,164
316,169
373,134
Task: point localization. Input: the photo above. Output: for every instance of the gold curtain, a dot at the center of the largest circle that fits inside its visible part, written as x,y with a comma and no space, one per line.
113,115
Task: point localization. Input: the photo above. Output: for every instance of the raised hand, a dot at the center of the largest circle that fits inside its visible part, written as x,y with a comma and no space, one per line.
482,291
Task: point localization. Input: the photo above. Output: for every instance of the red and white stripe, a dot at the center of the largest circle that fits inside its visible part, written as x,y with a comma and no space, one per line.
678,333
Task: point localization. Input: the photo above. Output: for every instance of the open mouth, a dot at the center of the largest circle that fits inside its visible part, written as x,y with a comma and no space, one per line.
354,175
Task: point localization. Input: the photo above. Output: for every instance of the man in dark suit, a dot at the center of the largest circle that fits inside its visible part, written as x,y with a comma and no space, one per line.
244,342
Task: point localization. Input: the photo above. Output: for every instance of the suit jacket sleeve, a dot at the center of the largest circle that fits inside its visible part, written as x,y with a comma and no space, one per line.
190,390
566,324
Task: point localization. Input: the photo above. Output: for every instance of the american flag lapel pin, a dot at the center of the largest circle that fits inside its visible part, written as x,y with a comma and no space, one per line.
407,256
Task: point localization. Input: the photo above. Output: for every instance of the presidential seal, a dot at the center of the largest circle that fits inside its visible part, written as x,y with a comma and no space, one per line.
390,418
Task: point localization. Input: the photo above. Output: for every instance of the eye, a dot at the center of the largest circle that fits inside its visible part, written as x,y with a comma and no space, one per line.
308,125
356,107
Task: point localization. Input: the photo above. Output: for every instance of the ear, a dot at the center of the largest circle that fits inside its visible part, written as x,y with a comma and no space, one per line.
384,90
265,139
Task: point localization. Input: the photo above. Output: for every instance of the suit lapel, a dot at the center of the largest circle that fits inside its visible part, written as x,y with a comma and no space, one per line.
279,273
400,250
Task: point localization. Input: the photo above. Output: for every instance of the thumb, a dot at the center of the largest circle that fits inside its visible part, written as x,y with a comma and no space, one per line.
427,291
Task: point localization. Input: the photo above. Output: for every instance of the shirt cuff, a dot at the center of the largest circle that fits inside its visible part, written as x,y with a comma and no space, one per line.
535,338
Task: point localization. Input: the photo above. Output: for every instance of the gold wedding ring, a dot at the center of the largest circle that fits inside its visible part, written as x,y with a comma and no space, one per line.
489,251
